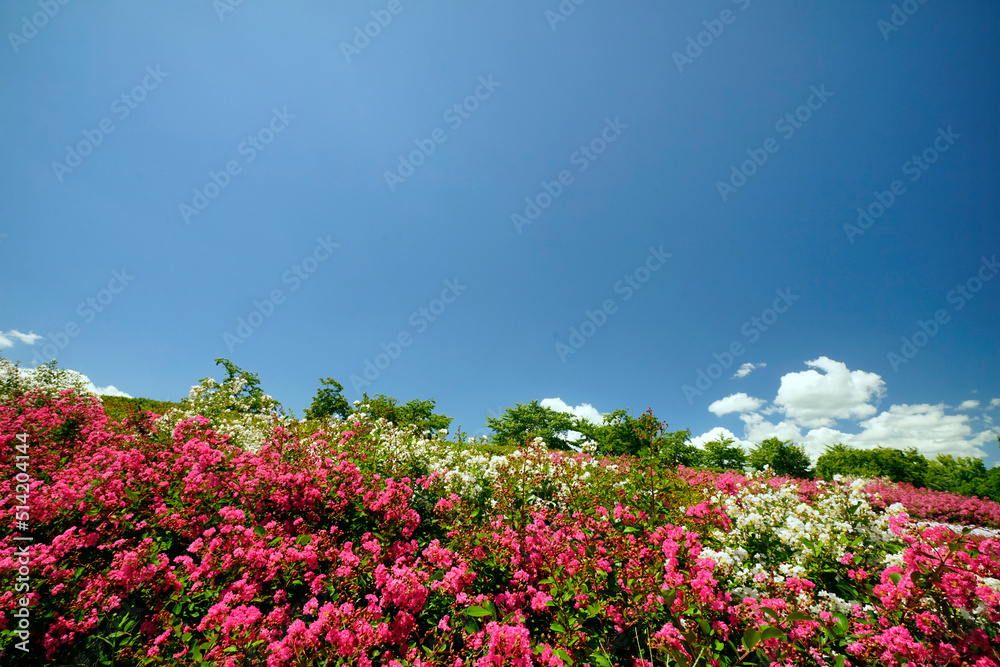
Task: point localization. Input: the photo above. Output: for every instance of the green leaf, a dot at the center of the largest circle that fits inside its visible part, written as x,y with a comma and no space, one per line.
260,531
558,628
839,662
772,633
799,616
303,540
600,660
680,658
750,639
478,612
843,623
564,656
772,613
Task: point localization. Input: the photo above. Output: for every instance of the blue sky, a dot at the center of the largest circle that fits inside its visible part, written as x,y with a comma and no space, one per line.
506,201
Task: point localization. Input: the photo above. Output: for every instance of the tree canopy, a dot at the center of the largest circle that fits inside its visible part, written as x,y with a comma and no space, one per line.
526,421
420,413
329,401
782,456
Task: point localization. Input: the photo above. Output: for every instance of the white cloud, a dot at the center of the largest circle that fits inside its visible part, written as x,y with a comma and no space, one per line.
718,433
748,368
758,429
109,390
740,402
926,427
818,399
584,410
7,338
809,403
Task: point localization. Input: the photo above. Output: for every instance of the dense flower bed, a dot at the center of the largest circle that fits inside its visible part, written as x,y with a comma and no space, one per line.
193,539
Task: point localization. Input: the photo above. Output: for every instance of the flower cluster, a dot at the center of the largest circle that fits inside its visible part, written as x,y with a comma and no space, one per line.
216,538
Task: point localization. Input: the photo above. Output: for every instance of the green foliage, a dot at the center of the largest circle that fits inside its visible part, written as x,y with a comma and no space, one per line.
329,401
250,397
965,475
783,457
47,378
417,412
676,449
898,465
523,422
118,408
722,453
623,434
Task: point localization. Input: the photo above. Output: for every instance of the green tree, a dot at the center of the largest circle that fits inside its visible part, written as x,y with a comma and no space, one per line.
896,464
526,421
417,412
328,401
723,453
614,436
257,402
623,434
966,475
839,459
783,457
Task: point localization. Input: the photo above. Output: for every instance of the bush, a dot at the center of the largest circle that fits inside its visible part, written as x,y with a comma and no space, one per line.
118,408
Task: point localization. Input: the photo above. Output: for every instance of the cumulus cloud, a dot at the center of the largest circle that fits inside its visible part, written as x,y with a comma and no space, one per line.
748,368
809,404
7,338
584,410
758,429
110,390
928,428
740,402
718,433
818,399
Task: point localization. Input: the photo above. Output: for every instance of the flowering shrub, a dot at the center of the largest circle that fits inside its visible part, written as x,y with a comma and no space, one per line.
241,540
46,379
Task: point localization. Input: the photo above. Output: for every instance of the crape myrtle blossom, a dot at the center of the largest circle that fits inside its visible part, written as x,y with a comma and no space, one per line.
214,536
